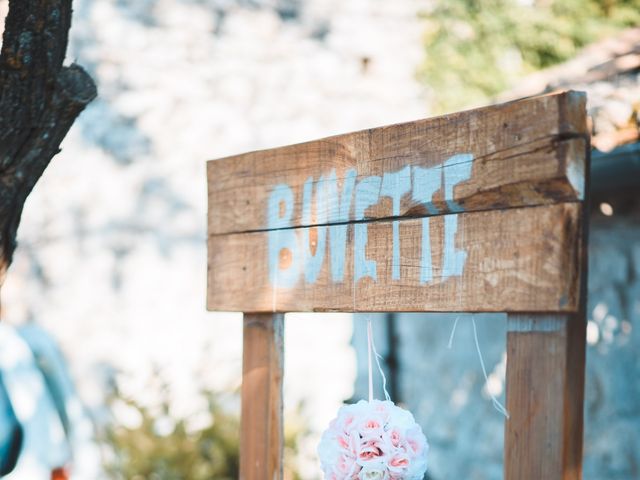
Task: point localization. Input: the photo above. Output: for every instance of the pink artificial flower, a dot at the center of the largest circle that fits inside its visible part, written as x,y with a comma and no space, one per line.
398,464
415,441
371,427
371,450
372,423
395,437
348,443
343,440
343,423
384,409
347,467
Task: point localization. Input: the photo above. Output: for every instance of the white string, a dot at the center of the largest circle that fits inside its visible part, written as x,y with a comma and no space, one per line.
453,332
378,357
371,347
274,294
353,292
369,342
455,322
496,404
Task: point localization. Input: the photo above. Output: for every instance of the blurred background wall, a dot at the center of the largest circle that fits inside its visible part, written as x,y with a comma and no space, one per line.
112,258
112,255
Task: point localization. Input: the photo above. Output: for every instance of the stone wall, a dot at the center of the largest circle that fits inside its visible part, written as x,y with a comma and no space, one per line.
112,245
111,255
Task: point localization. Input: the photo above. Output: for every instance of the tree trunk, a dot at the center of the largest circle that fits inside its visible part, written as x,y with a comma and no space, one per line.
39,101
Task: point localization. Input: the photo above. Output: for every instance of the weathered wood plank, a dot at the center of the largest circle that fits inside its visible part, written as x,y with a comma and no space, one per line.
261,431
525,153
514,260
545,396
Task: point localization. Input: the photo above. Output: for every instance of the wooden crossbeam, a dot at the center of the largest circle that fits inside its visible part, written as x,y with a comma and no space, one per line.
517,260
524,153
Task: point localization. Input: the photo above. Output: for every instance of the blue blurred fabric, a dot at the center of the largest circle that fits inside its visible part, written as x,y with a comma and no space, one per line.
10,433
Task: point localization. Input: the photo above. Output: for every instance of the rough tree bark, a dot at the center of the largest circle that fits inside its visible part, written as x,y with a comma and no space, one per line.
39,101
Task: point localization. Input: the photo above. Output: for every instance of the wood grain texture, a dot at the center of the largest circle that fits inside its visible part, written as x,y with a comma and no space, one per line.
518,260
525,153
545,396
261,430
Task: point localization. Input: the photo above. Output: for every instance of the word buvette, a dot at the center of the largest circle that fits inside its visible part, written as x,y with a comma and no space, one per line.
335,207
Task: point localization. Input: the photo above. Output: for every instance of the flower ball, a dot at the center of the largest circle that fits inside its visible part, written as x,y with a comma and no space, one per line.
374,440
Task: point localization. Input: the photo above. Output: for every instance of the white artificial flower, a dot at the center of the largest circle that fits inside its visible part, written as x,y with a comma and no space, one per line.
374,471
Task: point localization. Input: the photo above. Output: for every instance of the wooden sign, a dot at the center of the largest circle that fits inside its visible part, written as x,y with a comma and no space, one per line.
431,215
475,211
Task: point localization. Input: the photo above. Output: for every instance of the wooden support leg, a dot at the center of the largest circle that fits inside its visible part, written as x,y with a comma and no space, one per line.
261,436
545,396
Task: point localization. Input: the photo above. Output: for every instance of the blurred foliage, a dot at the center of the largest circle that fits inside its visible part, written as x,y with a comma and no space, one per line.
159,447
477,48
148,451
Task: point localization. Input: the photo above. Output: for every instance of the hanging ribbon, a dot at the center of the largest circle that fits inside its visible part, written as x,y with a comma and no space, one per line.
496,403
378,357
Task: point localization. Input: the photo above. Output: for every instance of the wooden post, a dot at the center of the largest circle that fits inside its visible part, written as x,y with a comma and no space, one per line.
545,379
545,390
261,427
